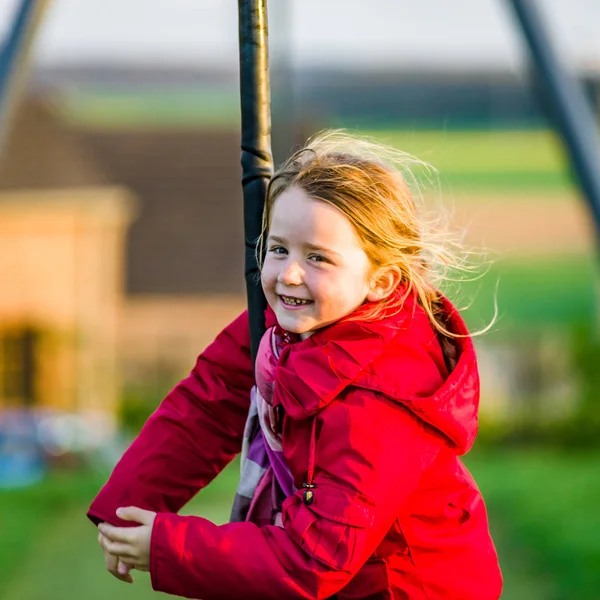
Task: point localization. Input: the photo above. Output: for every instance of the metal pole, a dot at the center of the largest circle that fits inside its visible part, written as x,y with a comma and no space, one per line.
13,57
574,118
257,162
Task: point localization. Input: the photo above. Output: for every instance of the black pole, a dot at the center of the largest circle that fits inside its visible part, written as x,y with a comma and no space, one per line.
573,116
257,162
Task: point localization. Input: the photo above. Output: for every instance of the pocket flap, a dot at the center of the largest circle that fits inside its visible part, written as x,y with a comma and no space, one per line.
341,505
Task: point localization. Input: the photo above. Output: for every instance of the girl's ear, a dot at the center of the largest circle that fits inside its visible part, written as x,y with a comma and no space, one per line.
383,283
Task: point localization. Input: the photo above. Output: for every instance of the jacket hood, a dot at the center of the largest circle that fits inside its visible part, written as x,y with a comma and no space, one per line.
400,356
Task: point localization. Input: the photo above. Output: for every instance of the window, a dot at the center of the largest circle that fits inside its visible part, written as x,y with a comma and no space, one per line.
18,365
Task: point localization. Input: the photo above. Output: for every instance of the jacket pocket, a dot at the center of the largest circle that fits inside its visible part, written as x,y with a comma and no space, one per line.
332,529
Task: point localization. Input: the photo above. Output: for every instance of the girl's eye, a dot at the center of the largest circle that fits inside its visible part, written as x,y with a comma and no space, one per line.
277,250
317,258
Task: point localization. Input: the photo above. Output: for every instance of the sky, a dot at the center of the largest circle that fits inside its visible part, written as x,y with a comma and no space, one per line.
463,34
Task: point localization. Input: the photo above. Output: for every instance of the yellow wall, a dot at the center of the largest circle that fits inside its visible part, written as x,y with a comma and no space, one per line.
61,272
163,328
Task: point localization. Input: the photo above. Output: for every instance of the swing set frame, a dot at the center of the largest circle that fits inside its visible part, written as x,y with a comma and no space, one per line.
570,115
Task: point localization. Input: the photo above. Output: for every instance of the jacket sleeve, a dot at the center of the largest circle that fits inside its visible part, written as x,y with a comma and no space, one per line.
190,438
369,458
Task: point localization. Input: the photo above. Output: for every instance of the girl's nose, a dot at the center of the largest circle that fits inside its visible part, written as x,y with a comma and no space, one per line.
291,274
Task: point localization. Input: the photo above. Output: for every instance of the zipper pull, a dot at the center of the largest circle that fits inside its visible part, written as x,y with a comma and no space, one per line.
308,493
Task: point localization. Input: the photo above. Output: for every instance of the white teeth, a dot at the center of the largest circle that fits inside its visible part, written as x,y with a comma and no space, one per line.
294,301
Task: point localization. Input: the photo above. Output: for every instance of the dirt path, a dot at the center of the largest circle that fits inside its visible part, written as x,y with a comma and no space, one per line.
526,225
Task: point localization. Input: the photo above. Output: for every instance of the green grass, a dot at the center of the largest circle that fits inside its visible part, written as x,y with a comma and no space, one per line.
211,108
544,509
29,513
492,161
542,505
480,151
48,547
475,159
473,151
534,293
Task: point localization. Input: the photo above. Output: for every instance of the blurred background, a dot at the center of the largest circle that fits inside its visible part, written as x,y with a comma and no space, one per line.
121,249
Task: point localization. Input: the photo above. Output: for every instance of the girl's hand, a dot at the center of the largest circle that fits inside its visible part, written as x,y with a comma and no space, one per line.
131,545
114,565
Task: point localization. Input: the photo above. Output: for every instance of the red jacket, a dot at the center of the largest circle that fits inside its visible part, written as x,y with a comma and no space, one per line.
380,413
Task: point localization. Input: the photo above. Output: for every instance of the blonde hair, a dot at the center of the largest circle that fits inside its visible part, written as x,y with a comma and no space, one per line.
368,183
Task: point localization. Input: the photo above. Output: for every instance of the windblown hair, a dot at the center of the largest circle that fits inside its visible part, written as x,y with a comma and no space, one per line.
369,183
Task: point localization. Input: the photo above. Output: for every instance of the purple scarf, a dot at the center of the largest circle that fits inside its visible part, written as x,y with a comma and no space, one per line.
262,461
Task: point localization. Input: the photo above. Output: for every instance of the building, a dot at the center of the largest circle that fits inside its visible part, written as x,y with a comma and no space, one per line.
62,236
122,257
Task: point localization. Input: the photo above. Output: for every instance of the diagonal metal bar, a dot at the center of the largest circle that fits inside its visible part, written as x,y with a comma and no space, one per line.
13,57
257,161
572,114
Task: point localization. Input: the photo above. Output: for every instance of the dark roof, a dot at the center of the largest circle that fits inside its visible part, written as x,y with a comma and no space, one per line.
189,234
43,152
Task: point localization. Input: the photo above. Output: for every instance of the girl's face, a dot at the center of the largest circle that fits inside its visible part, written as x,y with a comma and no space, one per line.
315,271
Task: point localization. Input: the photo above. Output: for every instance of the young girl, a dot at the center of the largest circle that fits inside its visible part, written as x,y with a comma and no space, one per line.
366,394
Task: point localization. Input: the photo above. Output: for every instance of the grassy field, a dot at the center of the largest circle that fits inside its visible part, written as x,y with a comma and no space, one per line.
48,547
554,292
471,159
494,160
544,512
193,108
542,506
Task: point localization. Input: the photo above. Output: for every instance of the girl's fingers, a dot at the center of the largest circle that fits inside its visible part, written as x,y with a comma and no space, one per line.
136,514
126,577
114,550
110,561
115,567
118,534
125,569
124,549
137,564
119,549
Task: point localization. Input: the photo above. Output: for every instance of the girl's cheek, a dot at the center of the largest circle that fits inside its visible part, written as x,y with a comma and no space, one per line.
266,277
263,282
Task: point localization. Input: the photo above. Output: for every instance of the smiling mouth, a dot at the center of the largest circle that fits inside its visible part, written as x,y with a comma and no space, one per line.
290,301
